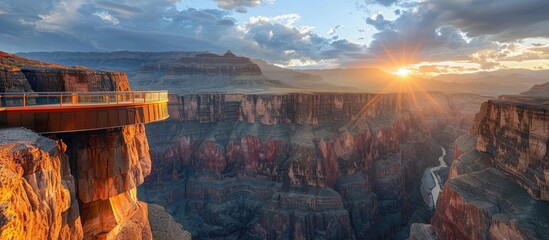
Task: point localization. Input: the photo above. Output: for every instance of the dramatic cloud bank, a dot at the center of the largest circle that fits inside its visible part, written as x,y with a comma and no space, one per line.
479,34
474,31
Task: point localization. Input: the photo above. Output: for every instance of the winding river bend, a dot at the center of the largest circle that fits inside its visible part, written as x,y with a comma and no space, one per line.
437,188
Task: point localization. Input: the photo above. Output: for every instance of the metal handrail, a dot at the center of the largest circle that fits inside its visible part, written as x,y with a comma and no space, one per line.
34,99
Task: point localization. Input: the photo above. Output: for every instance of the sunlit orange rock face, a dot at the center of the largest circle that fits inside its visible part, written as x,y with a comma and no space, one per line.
109,162
37,190
109,165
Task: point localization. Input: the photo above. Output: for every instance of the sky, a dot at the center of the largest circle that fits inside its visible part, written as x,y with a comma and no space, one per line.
428,37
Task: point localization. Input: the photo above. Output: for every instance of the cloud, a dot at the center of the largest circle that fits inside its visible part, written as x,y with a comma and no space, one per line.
119,8
385,3
416,36
106,16
378,21
240,5
442,30
333,30
275,35
504,20
156,25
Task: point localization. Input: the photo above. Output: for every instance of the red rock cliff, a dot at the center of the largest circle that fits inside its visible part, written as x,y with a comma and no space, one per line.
516,136
302,165
499,172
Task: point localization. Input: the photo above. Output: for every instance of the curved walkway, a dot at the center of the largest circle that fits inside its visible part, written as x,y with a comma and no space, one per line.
53,112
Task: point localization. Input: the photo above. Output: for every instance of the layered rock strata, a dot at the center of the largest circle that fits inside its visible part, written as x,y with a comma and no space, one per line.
497,188
515,136
224,164
204,63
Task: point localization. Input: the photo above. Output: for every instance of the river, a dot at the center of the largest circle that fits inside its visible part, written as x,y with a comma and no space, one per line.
437,189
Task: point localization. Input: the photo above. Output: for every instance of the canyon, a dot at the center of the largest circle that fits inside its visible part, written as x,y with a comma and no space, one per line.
248,156
299,165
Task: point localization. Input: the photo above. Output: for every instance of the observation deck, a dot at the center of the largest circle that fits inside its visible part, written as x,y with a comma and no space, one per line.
56,112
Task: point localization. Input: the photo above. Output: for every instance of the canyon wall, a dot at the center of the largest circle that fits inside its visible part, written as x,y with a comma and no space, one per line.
293,166
83,185
515,136
497,184
108,166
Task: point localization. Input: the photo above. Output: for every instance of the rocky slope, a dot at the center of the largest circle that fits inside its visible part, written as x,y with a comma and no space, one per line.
298,166
163,226
83,185
497,185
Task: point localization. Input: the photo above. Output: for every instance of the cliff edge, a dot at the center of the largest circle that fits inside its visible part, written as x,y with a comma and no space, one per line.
82,185
498,181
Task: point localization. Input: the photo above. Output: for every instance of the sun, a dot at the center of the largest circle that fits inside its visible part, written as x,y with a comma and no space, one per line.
403,72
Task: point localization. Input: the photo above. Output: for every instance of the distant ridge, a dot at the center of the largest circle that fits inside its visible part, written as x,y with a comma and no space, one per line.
539,90
193,72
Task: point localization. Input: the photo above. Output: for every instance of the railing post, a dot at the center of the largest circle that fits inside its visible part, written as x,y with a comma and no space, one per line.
24,100
61,99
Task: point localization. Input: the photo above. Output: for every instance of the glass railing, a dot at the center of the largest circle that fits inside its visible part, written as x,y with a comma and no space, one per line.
32,99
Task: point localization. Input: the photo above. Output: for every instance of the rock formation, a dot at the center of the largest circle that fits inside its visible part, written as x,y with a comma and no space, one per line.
38,198
497,185
84,184
303,166
108,166
515,136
